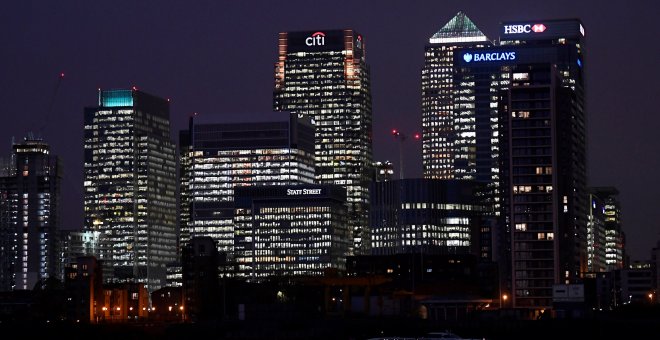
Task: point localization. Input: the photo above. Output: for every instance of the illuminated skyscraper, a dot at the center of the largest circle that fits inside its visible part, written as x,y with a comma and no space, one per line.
29,216
532,87
293,230
130,185
615,238
460,141
217,157
324,75
596,245
443,145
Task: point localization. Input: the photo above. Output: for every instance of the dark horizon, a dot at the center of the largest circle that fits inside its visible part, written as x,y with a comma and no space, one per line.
217,58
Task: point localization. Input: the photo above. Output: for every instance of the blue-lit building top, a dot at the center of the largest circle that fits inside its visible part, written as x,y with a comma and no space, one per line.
115,98
130,185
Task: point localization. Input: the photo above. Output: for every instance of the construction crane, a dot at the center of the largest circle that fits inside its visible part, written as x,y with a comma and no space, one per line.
402,138
51,104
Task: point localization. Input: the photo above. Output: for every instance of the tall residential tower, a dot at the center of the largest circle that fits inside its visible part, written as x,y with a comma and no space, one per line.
29,216
526,97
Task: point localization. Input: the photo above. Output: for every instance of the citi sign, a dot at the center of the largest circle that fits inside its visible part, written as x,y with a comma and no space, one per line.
517,29
317,39
494,56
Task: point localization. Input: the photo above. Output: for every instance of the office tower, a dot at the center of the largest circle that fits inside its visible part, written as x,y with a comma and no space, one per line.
296,230
565,34
441,140
324,75
383,171
535,83
29,218
429,216
596,260
218,157
634,283
543,134
130,185
615,238
459,139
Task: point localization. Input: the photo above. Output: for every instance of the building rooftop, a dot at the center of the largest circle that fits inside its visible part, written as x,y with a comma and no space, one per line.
459,29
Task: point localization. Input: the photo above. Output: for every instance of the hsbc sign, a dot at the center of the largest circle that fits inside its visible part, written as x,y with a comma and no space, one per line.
527,28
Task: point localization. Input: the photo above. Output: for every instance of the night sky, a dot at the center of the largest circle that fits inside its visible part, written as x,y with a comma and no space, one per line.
217,57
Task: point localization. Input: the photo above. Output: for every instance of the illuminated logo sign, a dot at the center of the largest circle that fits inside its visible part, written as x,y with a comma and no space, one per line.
359,41
538,28
295,192
528,28
317,39
494,56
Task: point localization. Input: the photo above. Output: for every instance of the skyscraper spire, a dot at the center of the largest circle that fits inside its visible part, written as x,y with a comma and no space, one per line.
459,29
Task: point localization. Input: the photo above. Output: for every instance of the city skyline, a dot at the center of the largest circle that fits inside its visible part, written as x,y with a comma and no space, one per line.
191,62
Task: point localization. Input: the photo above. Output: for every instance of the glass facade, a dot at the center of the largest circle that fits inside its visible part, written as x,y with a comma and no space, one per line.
546,170
324,75
290,230
448,127
29,216
130,185
425,216
596,261
615,238
217,158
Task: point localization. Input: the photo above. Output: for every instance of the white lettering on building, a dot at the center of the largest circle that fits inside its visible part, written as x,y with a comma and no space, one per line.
294,192
317,39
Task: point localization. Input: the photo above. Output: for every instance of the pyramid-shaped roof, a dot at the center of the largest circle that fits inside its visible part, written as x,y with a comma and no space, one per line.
459,29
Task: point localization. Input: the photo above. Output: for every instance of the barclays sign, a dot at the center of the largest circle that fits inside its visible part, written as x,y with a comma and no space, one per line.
492,56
